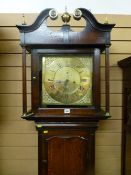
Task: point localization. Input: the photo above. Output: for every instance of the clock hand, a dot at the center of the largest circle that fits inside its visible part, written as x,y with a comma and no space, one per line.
66,83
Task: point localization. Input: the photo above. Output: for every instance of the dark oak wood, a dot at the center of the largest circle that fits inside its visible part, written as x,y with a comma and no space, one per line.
126,120
24,80
68,164
66,142
68,151
95,34
96,79
36,84
94,39
107,72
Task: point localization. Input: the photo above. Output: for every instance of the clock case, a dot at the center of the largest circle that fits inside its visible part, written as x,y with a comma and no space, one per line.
39,40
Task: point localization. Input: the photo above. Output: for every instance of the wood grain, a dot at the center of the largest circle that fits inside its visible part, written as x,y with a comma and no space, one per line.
13,100
117,34
16,59
29,153
108,152
8,33
115,100
109,172
115,73
120,47
16,87
10,113
109,163
110,126
15,167
115,86
114,58
22,140
9,73
10,47
13,73
17,127
13,60
19,153
13,19
119,20
14,113
7,87
116,112
14,47
108,139
29,127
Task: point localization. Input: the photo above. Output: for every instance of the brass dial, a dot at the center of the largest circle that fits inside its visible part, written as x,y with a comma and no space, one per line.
67,80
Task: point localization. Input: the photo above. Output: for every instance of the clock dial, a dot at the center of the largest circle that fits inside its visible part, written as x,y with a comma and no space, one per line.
67,80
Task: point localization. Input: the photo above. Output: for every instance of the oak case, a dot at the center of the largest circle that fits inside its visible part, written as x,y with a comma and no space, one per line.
66,130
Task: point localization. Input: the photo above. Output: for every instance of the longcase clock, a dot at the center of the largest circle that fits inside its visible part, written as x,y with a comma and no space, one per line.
65,90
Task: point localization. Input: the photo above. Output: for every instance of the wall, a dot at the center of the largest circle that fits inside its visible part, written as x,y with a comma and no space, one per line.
18,138
97,7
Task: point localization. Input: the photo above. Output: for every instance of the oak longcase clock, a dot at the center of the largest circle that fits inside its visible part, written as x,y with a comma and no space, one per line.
65,89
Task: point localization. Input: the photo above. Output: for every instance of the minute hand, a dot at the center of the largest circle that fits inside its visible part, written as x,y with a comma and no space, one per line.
66,83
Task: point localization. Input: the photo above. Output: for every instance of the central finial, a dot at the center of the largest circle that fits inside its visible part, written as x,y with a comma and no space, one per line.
66,16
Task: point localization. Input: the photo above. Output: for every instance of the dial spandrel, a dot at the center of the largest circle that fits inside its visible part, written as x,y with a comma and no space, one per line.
67,80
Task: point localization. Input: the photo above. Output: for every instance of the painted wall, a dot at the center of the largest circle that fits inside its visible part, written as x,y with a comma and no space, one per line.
97,7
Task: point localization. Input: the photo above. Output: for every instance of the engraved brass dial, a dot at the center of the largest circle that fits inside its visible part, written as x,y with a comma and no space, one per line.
67,80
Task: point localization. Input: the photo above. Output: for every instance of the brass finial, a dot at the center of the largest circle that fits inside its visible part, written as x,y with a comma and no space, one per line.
66,16
77,14
53,14
23,22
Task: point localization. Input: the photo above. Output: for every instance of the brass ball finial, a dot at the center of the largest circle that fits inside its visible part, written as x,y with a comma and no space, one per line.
53,14
66,16
77,14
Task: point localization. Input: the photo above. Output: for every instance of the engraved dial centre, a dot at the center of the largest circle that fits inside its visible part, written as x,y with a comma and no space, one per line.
67,80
